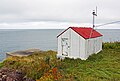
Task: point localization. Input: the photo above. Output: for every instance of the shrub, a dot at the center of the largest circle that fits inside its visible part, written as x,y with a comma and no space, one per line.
111,45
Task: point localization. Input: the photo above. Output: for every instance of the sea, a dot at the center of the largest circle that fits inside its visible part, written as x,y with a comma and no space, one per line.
43,39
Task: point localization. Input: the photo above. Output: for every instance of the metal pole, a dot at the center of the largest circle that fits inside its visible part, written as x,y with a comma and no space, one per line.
94,14
93,20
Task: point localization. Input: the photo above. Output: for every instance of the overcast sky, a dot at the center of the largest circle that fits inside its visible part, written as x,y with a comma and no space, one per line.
47,14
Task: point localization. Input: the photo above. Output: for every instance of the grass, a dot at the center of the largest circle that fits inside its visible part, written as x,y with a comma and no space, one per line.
43,66
1,65
32,66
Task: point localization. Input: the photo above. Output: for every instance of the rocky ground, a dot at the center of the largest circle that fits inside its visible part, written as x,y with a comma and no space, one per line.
12,75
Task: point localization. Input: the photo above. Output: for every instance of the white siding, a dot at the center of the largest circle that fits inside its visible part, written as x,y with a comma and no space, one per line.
82,48
75,44
99,44
64,35
93,45
59,45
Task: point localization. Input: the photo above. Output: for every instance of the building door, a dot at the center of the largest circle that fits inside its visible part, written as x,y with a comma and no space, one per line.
65,47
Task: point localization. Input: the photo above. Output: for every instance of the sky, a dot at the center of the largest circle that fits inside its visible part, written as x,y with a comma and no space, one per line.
58,14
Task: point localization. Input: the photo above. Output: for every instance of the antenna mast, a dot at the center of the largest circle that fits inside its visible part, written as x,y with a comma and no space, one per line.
94,14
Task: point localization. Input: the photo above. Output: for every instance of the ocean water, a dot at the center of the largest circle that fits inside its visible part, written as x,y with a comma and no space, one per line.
43,39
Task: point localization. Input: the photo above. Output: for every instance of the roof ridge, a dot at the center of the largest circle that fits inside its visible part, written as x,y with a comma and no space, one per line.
84,32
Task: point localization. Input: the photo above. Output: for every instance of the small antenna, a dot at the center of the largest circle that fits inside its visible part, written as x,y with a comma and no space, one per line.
94,14
96,10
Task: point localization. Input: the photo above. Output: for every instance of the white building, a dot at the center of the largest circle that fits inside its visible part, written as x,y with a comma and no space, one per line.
79,42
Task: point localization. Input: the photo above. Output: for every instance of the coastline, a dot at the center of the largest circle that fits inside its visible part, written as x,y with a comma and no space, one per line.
43,66
22,52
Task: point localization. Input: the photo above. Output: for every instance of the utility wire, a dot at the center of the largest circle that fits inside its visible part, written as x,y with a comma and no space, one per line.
108,23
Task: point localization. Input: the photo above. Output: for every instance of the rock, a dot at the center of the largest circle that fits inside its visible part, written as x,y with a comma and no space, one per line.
0,79
0,75
9,79
17,76
29,79
13,75
4,76
22,52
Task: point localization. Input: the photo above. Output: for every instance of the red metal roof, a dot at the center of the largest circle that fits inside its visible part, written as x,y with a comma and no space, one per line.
84,32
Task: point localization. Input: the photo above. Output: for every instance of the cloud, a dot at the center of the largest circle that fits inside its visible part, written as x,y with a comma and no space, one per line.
52,25
57,11
42,25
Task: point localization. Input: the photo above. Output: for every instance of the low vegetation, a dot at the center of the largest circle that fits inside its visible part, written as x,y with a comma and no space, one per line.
44,66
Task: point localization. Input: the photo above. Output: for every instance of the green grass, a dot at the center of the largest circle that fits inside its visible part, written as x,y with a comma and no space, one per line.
1,65
33,66
104,66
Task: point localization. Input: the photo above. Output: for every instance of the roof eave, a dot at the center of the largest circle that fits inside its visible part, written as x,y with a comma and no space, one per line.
62,32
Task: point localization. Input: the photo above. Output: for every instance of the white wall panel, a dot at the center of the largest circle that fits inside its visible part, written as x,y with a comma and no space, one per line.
74,44
82,47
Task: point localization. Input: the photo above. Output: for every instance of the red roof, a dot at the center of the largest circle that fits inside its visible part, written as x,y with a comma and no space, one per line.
84,32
